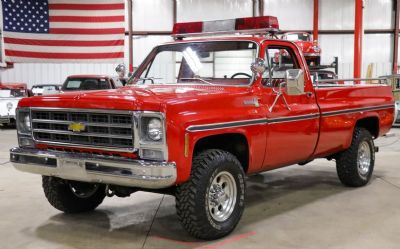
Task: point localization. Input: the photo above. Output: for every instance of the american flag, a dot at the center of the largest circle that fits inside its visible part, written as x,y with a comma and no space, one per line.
63,31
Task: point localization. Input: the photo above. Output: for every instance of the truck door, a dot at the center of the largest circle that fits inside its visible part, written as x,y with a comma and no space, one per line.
293,120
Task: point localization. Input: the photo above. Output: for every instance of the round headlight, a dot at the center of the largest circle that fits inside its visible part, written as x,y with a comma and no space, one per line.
154,129
9,105
316,49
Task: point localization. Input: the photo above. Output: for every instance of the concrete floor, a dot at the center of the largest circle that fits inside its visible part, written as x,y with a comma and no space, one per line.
296,207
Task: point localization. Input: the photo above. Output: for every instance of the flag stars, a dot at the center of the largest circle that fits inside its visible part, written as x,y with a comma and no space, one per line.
26,16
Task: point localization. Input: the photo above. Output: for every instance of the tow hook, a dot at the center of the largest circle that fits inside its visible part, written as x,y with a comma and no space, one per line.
109,192
376,148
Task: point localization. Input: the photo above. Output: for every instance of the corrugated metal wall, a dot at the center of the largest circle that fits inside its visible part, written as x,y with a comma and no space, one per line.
156,15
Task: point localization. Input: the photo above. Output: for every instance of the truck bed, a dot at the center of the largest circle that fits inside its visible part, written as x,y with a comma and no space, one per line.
342,106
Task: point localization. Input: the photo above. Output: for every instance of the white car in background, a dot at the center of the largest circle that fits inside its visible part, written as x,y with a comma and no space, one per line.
44,89
10,95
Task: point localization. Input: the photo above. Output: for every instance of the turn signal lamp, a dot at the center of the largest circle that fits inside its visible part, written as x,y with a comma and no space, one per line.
247,25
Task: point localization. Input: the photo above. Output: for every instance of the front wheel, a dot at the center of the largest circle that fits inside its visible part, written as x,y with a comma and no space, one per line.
211,203
355,165
72,196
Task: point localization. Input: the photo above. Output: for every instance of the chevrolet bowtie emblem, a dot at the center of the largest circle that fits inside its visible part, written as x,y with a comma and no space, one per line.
76,127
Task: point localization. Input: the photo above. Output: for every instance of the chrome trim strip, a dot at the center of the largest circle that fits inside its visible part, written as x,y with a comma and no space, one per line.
83,134
85,123
293,118
216,126
82,146
241,123
353,110
106,111
91,168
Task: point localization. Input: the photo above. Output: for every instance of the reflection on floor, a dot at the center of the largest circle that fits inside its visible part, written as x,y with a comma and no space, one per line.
295,207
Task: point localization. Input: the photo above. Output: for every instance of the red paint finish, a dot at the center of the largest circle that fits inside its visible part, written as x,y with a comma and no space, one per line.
271,144
358,36
315,20
334,134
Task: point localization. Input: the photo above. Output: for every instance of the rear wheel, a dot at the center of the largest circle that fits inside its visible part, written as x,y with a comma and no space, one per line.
355,165
211,203
72,196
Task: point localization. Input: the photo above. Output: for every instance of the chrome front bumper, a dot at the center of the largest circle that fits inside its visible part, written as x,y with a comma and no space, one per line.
6,119
95,168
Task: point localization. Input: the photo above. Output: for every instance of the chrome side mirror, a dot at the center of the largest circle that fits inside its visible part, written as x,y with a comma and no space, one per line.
258,66
121,70
295,81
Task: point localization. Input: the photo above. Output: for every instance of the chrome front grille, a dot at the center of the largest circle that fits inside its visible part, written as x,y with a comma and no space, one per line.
102,129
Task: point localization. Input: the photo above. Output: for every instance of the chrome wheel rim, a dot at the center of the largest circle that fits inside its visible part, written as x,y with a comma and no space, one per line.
83,190
222,196
364,158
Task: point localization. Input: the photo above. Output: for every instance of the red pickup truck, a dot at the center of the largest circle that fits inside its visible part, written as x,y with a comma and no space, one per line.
198,116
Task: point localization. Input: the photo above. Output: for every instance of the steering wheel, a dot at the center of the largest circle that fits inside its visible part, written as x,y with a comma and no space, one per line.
240,74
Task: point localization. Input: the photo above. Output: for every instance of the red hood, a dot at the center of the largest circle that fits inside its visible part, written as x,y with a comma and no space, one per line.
150,98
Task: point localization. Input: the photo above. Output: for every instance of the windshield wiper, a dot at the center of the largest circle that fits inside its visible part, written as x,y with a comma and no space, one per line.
199,79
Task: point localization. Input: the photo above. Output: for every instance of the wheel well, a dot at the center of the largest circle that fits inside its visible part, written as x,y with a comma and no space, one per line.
231,142
371,124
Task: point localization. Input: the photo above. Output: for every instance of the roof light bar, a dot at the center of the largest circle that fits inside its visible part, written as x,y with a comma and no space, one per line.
247,25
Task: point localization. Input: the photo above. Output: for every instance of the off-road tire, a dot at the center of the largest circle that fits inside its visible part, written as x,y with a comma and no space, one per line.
60,196
347,162
191,197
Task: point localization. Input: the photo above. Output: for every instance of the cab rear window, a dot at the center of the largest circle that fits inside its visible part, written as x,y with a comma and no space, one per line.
82,84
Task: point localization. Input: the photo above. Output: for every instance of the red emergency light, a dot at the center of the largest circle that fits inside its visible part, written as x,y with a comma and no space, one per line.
246,25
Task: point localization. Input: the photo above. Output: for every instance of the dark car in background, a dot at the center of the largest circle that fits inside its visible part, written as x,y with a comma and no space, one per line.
89,82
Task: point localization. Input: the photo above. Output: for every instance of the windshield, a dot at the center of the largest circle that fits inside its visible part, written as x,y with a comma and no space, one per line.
81,84
217,62
298,37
